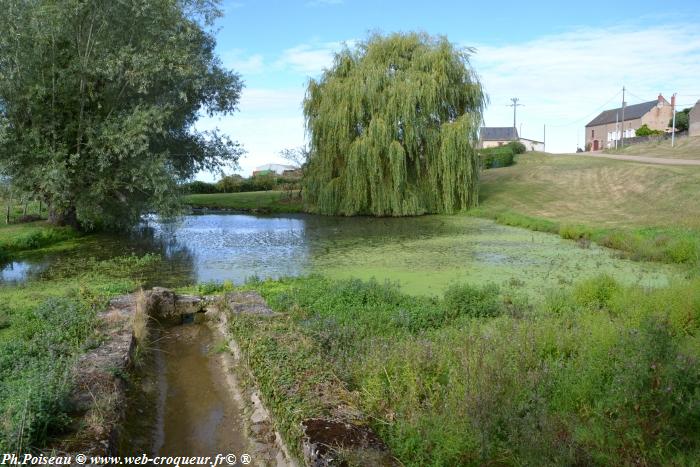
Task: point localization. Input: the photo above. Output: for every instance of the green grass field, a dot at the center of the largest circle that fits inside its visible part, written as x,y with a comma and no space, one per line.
684,148
257,201
596,192
648,211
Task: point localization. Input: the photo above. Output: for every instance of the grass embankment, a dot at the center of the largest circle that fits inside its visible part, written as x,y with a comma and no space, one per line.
254,201
648,211
18,238
684,148
44,326
597,374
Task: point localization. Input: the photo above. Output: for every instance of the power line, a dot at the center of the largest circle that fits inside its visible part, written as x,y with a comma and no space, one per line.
590,114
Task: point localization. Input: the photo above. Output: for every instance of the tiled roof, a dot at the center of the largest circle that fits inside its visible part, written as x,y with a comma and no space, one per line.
492,133
632,112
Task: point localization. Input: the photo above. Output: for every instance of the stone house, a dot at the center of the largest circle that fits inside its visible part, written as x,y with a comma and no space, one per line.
490,137
694,120
607,129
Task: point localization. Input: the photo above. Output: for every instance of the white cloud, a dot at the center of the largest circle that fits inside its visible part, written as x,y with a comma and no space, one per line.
563,80
266,100
269,120
310,59
237,60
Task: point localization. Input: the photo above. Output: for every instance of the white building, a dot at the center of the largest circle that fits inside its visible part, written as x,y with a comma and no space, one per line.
279,169
490,137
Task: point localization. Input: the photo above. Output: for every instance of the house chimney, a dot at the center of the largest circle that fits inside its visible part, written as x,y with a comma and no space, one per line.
661,99
673,101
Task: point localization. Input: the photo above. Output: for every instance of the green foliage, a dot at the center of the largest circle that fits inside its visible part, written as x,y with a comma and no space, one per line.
517,146
682,120
17,238
393,127
644,130
596,293
257,201
238,184
601,375
44,326
228,184
492,158
199,187
98,103
466,300
515,219
670,245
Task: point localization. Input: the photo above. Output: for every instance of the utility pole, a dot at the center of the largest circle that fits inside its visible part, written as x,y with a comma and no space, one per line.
544,138
617,114
673,130
515,105
622,140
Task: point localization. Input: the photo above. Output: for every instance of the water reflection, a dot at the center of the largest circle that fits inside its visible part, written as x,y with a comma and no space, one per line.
235,247
19,271
424,253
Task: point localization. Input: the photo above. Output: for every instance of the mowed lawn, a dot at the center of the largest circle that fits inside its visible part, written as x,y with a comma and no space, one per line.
684,148
596,192
266,201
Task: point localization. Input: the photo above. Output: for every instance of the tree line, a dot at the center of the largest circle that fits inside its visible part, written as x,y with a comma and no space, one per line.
98,101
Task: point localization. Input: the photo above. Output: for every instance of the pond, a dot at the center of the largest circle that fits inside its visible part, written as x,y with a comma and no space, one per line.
422,254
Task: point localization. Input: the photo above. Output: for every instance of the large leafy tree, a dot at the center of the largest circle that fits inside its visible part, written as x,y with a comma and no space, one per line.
393,127
98,101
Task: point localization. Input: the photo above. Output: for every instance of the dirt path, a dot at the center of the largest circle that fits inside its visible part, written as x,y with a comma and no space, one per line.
644,159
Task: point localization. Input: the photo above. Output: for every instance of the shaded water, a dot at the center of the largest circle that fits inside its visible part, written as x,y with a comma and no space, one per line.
423,254
197,414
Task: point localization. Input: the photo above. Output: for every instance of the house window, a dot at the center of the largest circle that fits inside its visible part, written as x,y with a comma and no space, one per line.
592,133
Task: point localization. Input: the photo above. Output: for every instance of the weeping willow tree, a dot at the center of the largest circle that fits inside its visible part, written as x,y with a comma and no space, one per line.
393,126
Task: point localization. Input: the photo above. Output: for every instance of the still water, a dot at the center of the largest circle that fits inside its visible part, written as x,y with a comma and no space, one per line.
422,254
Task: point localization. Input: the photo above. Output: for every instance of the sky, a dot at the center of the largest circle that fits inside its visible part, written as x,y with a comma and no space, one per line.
565,61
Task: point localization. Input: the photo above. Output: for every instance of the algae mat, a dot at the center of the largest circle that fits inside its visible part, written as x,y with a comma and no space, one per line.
478,251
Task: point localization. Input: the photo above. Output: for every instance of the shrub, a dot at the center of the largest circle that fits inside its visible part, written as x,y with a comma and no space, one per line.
644,130
682,250
492,158
469,300
517,147
575,232
198,187
597,292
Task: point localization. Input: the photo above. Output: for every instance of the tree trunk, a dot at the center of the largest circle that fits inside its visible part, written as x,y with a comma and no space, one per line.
66,217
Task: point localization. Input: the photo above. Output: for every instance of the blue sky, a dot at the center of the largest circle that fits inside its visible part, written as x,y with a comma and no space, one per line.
565,61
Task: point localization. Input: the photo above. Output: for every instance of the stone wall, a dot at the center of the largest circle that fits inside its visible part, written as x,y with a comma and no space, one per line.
694,120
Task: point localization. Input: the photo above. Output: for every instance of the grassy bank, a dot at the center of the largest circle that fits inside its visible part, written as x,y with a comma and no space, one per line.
255,201
648,211
44,326
684,148
598,374
18,238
